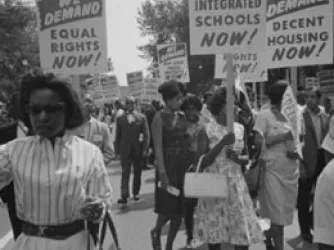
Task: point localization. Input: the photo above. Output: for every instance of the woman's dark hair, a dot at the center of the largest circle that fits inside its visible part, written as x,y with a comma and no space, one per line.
217,101
276,91
191,99
35,81
171,89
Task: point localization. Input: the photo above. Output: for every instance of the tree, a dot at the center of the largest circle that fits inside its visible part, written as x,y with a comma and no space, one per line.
165,21
18,45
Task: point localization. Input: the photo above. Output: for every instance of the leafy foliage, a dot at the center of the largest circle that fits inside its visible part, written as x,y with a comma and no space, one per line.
18,45
165,21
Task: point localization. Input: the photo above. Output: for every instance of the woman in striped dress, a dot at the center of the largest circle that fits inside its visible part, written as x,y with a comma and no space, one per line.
60,180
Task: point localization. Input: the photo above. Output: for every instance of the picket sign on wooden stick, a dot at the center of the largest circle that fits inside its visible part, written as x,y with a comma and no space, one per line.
230,91
76,85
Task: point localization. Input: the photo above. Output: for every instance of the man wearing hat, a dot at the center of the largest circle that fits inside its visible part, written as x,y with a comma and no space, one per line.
132,143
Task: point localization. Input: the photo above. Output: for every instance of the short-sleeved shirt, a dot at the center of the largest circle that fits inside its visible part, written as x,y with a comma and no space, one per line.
324,206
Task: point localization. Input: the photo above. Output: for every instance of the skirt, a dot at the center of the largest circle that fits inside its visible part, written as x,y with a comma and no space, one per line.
75,242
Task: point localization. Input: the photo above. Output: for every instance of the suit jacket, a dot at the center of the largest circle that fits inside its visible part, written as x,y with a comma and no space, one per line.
128,134
310,148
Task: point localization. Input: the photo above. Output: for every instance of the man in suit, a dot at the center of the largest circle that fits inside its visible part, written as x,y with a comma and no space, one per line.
132,142
316,127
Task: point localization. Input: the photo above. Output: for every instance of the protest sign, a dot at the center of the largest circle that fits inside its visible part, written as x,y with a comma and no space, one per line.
173,62
151,89
95,89
136,84
326,80
232,26
290,111
311,82
72,36
110,88
248,66
299,33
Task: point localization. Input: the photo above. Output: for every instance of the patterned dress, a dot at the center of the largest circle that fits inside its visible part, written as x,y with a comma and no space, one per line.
175,144
232,219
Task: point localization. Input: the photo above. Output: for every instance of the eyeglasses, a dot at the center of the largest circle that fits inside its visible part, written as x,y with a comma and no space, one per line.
49,109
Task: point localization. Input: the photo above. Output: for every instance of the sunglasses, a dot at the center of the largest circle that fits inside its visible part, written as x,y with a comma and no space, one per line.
49,109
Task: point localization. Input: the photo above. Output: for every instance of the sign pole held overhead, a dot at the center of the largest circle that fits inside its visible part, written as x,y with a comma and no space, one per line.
230,92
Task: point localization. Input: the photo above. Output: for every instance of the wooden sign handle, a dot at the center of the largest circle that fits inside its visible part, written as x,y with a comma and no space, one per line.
230,92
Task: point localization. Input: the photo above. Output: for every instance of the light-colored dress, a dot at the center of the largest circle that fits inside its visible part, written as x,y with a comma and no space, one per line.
278,196
227,220
51,184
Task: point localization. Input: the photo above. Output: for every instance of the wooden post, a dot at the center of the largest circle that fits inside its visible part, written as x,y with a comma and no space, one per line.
230,91
294,78
76,85
256,104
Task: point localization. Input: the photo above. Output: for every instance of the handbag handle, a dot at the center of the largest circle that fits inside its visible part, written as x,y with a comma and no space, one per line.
108,222
199,164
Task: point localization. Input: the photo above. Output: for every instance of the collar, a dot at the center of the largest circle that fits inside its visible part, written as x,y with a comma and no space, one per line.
66,137
312,113
91,119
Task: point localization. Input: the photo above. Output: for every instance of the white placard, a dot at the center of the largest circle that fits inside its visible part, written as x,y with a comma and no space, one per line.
110,88
226,26
248,66
299,33
136,84
173,62
72,36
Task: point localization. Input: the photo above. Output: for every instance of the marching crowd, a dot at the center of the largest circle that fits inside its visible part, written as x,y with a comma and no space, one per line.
55,182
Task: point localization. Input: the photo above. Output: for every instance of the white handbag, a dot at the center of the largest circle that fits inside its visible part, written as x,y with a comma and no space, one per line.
205,185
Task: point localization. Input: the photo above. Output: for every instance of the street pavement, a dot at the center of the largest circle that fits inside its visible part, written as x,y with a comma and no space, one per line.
134,223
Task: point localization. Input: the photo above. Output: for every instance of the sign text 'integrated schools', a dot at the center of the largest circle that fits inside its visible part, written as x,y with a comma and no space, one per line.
217,24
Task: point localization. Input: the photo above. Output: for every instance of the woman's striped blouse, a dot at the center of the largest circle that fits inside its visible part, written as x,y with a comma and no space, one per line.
52,181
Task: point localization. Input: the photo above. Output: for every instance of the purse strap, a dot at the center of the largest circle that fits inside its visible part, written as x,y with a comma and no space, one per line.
199,164
108,222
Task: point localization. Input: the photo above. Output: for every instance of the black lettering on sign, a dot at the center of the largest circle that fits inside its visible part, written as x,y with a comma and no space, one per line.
77,61
222,39
294,52
55,13
246,67
278,8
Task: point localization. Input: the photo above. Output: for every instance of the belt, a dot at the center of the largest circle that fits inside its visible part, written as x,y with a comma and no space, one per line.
58,232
